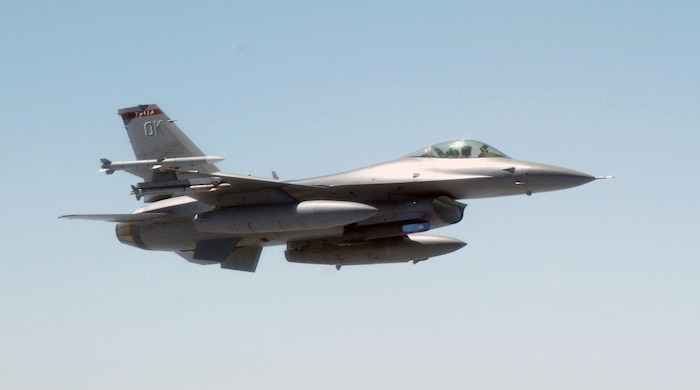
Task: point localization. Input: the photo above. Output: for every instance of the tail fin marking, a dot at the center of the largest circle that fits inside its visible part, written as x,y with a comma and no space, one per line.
154,136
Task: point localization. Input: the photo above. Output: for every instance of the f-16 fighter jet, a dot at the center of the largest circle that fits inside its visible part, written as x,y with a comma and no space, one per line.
377,214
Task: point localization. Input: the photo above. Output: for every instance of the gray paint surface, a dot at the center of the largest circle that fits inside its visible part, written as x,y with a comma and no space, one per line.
369,215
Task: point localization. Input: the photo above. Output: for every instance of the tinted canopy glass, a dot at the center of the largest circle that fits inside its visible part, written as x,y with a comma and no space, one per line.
459,149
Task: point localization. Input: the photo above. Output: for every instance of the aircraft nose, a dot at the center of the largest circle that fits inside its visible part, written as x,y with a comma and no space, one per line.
541,177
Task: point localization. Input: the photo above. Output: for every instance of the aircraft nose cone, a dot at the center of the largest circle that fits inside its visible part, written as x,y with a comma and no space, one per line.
540,177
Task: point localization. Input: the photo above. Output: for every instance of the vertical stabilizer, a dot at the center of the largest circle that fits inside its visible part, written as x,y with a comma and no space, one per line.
154,136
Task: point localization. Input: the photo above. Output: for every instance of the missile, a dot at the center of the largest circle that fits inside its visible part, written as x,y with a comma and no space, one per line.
306,215
109,167
205,184
412,247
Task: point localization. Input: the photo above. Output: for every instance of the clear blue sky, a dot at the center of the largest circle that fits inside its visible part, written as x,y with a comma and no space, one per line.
591,288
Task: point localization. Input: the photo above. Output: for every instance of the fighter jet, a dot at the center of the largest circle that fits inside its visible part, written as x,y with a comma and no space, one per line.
377,214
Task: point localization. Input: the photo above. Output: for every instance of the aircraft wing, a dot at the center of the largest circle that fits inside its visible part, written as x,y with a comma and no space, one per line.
225,189
142,217
243,183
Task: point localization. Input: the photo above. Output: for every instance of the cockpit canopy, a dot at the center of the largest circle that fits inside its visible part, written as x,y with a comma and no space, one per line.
459,149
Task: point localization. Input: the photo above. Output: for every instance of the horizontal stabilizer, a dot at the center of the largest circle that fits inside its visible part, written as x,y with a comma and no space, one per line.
143,217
